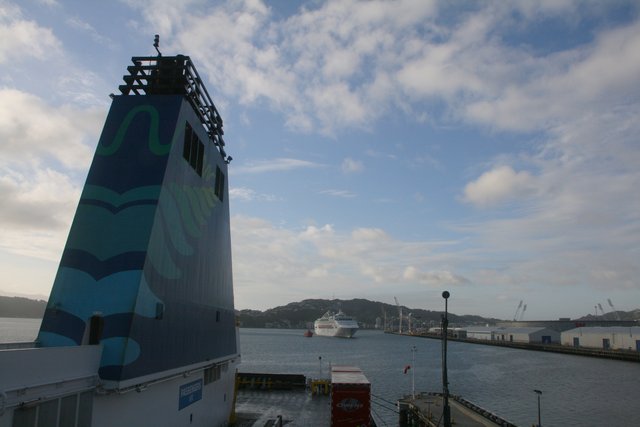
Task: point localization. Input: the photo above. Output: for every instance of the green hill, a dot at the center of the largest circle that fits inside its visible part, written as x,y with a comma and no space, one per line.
300,314
21,307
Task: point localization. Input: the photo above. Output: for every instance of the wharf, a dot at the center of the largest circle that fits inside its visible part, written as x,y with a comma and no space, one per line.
266,408
273,400
624,355
426,410
265,400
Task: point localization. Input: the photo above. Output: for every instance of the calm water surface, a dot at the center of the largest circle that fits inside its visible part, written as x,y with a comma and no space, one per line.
577,391
18,330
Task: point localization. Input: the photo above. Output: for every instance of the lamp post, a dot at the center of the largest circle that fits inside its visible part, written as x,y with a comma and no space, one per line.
413,369
538,392
446,411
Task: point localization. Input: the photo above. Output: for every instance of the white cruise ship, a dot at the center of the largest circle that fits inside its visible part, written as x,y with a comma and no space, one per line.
335,325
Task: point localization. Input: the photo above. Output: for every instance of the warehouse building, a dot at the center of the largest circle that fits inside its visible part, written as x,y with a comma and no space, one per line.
607,338
519,335
480,332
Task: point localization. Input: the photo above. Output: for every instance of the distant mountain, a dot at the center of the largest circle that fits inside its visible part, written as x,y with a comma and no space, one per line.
21,307
300,314
615,315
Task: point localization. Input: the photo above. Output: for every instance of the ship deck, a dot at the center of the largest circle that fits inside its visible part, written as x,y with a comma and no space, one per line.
261,408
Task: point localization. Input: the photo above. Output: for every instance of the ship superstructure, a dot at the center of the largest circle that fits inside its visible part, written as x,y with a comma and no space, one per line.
142,303
335,325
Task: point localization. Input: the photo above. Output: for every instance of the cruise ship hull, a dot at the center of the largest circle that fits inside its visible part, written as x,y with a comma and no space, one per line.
333,331
335,325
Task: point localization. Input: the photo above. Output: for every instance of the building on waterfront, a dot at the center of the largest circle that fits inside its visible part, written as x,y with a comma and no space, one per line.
518,335
607,338
481,332
564,324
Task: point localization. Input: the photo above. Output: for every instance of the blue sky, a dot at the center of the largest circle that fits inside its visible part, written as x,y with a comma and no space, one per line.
380,148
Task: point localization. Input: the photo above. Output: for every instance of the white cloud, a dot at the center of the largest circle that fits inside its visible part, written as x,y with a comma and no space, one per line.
319,261
498,185
33,131
563,86
274,165
248,195
351,166
313,232
22,38
307,65
164,16
347,63
583,225
369,234
39,202
43,158
345,194
433,278
78,24
36,212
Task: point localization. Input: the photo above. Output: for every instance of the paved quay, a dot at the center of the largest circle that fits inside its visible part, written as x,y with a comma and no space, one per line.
273,400
426,410
257,408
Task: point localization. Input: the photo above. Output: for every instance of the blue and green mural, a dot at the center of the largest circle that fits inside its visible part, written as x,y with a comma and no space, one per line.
149,250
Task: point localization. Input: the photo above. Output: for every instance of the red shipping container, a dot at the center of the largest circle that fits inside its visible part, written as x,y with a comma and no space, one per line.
350,397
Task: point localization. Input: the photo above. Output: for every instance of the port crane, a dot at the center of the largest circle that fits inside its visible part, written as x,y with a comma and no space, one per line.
384,317
614,309
515,316
524,308
399,314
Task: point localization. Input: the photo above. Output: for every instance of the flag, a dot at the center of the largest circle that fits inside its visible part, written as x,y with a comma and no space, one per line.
406,368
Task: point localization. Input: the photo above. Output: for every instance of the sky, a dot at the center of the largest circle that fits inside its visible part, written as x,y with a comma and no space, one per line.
381,149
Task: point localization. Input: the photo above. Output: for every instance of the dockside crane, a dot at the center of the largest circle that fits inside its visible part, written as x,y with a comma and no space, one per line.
601,310
515,316
384,317
614,309
524,308
399,314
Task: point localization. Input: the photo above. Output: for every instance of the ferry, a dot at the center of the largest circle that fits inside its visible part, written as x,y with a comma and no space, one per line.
335,325
140,326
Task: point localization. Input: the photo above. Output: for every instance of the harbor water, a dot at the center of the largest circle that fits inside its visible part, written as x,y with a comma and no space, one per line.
576,390
18,330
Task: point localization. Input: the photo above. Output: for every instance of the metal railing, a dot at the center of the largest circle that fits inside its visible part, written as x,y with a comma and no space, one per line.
175,75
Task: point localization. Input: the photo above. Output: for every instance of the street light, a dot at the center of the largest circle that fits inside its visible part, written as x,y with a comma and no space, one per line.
538,392
446,411
413,370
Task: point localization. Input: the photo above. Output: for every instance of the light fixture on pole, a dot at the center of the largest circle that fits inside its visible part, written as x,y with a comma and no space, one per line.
446,411
538,392
413,369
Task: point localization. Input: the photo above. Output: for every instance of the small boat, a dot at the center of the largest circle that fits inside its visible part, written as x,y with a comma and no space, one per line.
308,333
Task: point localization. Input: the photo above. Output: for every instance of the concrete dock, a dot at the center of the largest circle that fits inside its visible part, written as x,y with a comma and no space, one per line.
265,408
426,410
266,400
